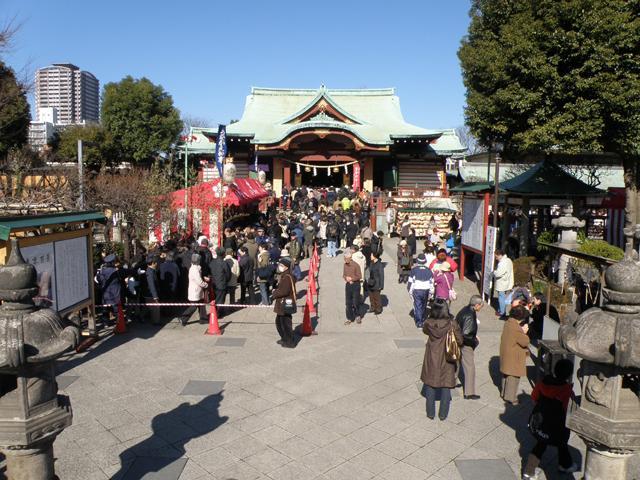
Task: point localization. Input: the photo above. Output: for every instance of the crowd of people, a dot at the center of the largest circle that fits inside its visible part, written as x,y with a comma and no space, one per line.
263,261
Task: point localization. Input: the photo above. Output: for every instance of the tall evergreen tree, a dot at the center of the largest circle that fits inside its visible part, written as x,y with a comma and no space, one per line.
550,75
14,111
140,117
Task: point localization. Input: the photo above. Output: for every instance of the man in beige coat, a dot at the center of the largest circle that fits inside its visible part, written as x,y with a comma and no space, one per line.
514,348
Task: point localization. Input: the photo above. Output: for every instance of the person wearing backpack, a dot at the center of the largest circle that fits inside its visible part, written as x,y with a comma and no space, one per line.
551,396
439,365
333,236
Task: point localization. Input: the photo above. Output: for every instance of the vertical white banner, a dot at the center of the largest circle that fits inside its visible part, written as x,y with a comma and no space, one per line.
489,259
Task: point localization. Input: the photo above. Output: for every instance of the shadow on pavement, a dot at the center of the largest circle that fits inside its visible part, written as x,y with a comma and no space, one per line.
161,455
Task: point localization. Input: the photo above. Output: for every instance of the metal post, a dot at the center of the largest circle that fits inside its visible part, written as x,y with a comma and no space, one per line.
186,181
80,176
496,189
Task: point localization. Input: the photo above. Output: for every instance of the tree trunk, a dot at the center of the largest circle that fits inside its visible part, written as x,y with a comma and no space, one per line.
631,191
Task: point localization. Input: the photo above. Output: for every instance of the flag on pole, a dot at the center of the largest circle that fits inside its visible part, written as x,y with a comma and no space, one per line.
221,147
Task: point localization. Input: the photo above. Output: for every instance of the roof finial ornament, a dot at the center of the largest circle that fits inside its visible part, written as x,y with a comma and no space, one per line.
323,88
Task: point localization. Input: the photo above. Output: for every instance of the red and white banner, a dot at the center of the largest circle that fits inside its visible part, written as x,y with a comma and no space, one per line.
356,176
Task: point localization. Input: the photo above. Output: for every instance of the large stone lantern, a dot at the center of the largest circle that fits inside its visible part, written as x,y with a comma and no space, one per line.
32,413
568,226
608,342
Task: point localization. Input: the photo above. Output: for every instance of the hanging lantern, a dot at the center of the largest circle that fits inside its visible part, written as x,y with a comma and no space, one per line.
346,170
328,171
297,168
307,169
336,169
315,171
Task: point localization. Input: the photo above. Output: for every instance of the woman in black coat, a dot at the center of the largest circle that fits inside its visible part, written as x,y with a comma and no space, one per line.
376,282
285,289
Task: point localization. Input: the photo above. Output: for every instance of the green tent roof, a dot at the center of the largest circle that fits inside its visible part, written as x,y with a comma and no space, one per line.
546,178
7,224
375,113
472,187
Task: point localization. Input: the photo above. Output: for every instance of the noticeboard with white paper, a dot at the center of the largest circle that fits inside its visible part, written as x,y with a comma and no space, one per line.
473,223
72,272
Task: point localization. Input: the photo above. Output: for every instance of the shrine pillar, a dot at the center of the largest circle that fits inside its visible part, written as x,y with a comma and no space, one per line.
277,176
367,183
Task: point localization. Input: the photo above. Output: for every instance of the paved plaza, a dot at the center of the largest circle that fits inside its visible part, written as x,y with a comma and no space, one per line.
170,402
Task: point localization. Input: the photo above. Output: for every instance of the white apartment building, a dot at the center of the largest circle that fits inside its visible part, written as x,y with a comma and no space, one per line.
39,134
74,93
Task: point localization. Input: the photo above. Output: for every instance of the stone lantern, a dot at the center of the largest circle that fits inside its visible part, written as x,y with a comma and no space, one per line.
608,342
568,226
32,413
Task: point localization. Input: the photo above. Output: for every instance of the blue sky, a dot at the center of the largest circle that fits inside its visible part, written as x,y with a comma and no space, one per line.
208,54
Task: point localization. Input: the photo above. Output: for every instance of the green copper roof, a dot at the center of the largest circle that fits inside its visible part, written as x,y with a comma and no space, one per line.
546,178
269,114
7,224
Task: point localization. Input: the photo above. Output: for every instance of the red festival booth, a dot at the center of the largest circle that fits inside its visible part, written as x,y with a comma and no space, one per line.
242,198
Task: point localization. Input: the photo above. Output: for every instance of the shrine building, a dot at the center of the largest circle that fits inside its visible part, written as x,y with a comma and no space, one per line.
330,137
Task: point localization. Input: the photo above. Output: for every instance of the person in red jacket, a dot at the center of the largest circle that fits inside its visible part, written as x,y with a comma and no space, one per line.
442,257
547,422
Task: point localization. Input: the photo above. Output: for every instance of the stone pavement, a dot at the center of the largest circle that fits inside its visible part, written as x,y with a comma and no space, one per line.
173,403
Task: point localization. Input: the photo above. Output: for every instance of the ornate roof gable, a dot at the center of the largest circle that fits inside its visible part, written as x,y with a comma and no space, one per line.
323,108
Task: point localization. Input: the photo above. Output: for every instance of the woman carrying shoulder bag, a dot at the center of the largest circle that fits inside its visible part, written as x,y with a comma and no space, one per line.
285,303
441,355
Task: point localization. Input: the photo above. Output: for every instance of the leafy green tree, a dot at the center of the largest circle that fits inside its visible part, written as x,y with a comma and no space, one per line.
14,111
141,118
98,149
546,76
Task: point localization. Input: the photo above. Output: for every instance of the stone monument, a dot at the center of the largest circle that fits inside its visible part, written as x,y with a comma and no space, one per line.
32,413
568,226
608,342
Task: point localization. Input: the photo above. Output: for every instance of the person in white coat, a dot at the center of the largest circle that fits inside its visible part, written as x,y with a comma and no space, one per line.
503,278
196,289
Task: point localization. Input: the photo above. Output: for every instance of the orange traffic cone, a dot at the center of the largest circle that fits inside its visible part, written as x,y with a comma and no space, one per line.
312,285
307,329
214,328
121,325
316,257
309,302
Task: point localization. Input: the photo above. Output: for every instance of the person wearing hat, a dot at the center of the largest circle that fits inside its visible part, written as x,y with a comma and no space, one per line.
443,281
405,261
286,289
420,284
352,276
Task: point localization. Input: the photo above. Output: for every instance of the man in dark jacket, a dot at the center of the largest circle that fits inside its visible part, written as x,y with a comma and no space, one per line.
467,318
205,255
169,275
247,269
333,236
220,275
376,283
151,288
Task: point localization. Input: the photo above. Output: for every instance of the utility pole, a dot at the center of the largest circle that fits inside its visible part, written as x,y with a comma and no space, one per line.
80,176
